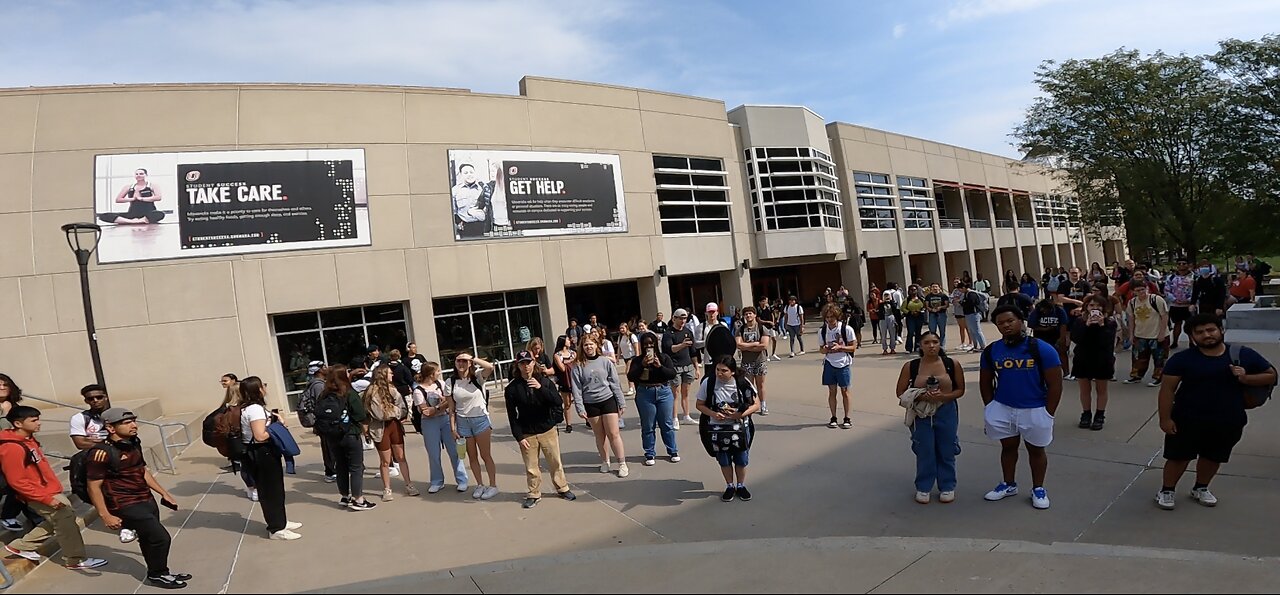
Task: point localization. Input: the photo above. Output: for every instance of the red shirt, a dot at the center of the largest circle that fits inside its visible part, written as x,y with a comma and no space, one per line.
124,482
1241,288
1125,290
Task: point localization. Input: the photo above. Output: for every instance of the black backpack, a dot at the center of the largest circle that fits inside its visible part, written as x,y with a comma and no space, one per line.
78,469
307,403
332,417
822,332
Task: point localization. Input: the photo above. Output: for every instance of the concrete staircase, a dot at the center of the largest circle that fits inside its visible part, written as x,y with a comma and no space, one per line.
57,445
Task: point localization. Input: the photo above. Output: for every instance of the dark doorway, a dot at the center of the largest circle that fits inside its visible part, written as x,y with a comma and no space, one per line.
692,292
612,303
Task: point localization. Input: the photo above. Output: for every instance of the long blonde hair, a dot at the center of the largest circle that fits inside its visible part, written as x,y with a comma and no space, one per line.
382,390
232,398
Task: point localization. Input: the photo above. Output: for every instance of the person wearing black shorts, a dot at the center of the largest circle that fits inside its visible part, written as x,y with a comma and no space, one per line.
1202,406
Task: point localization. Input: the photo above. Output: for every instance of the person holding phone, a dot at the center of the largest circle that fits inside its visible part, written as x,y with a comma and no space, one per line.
1094,333
651,373
121,486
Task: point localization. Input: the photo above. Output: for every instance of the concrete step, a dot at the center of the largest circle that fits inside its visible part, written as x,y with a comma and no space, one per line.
1248,317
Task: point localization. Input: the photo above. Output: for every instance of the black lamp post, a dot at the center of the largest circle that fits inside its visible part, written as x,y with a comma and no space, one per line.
83,240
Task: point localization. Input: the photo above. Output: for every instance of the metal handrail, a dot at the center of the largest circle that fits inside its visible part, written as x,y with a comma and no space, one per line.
980,223
164,438
1004,223
949,223
1025,224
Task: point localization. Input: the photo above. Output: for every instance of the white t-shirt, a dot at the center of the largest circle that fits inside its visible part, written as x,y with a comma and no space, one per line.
467,397
607,348
831,335
93,429
726,394
627,346
795,315
248,415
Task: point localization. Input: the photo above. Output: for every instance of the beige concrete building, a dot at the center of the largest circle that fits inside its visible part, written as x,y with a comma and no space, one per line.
759,201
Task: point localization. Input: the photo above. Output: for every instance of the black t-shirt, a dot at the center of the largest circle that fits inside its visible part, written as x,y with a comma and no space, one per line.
673,337
972,302
1208,391
659,326
765,316
1076,291
1020,300
937,302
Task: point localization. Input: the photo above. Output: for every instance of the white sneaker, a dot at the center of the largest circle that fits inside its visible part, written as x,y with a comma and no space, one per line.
623,471
764,410
622,423
252,493
688,419
292,526
1166,500
393,471
387,495
922,497
801,352
489,493
675,458
947,497
1154,384
87,564
605,468
285,535
1069,377
434,488
479,492
1001,492
649,462
1039,499
1204,497
793,354
462,488
24,554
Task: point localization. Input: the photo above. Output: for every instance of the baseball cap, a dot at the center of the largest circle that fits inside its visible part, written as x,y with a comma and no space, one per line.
314,367
681,313
372,348
524,356
712,307
116,415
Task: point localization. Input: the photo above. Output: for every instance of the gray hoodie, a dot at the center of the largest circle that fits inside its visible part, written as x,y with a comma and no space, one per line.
595,381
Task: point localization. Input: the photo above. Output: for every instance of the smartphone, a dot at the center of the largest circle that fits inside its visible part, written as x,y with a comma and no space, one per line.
167,504
648,353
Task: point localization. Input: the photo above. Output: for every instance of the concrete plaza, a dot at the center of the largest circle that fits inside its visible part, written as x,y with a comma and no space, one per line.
833,510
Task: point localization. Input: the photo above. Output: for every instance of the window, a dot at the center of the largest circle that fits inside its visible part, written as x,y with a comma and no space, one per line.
1043,212
793,188
338,336
493,326
693,194
874,194
1072,206
917,203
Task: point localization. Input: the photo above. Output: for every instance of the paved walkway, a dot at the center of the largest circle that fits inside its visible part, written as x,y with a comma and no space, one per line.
833,509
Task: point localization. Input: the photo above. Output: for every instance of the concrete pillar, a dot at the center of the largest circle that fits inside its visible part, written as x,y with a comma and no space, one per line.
655,296
935,267
735,287
555,310
853,274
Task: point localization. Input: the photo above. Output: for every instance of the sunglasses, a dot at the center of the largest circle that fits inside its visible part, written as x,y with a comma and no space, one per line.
96,398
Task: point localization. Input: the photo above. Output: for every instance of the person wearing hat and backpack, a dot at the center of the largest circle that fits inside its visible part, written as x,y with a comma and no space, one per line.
120,487
928,388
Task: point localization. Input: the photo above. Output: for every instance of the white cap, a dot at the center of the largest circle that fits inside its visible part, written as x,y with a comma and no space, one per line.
712,307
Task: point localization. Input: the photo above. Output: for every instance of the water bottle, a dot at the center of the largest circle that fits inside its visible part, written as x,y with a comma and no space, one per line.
461,445
932,383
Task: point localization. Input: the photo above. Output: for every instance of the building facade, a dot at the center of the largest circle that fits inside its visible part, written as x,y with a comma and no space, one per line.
719,206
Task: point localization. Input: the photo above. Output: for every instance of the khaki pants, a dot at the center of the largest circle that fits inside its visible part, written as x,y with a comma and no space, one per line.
548,443
60,523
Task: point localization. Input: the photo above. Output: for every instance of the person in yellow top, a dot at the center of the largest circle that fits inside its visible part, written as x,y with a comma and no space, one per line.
913,309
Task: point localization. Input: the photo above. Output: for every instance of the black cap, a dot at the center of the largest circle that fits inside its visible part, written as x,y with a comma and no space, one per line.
524,356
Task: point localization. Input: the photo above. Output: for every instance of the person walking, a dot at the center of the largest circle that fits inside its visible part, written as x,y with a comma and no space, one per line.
386,428
974,303
726,400
597,395
652,372
794,319
532,405
1094,334
471,417
438,430
928,388
30,476
1021,384
120,487
1203,406
264,460
340,421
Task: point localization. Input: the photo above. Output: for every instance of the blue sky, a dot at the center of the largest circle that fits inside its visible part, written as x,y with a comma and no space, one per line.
957,71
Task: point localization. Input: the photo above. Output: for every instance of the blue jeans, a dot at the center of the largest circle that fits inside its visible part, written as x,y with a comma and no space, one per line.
938,324
435,436
656,405
794,332
935,442
975,330
915,324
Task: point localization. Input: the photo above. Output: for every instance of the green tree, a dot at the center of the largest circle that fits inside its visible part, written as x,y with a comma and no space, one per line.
1142,136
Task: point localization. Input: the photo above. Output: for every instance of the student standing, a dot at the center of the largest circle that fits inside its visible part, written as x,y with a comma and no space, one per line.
438,431
753,342
1094,334
471,417
563,361
726,401
341,420
928,388
1148,316
627,348
264,459
652,372
678,343
597,395
837,344
794,314
532,413
120,487
386,429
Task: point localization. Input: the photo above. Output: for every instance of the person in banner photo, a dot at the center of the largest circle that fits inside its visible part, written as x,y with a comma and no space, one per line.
142,198
473,200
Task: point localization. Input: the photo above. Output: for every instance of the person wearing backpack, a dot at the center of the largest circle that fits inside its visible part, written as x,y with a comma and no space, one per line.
120,486
471,417
319,372
928,388
727,400
10,397
32,478
87,429
1149,327
438,430
264,460
837,343
1021,383
1204,397
340,422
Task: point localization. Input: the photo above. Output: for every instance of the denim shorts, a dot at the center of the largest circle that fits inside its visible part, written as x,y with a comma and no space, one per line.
832,375
470,427
740,458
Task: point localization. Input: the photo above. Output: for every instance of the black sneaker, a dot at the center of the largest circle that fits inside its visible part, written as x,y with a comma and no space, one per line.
567,495
847,423
744,494
728,494
1098,421
359,506
182,576
833,423
344,501
166,581
1086,420
568,428
530,502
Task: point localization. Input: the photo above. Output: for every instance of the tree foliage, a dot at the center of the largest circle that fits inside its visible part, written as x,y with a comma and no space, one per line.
1181,145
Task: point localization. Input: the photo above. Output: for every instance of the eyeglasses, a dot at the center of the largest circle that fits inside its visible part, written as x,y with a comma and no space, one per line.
96,398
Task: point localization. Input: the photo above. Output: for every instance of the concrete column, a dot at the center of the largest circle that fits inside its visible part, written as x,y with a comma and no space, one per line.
853,274
422,323
655,296
735,286
935,267
555,310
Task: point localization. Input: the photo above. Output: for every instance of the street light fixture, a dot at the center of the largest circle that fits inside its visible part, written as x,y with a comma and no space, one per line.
83,240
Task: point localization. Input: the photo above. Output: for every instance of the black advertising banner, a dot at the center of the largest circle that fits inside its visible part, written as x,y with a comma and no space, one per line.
502,194
282,202
177,205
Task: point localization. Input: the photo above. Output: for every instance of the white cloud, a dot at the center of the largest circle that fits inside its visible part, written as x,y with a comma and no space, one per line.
899,30
966,11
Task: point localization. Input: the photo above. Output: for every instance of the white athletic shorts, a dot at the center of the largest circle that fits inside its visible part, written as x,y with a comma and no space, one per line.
1035,426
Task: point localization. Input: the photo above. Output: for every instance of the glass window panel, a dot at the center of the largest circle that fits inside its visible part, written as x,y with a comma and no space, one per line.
713,211
781,152
528,297
453,336
793,222
760,153
296,351
665,195
785,166
383,313
488,301
672,179
667,162
676,211
706,164
887,224
710,196
713,225
388,336
526,323
703,180
443,306
345,346
493,341
675,227
340,317
880,178
861,177
303,321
